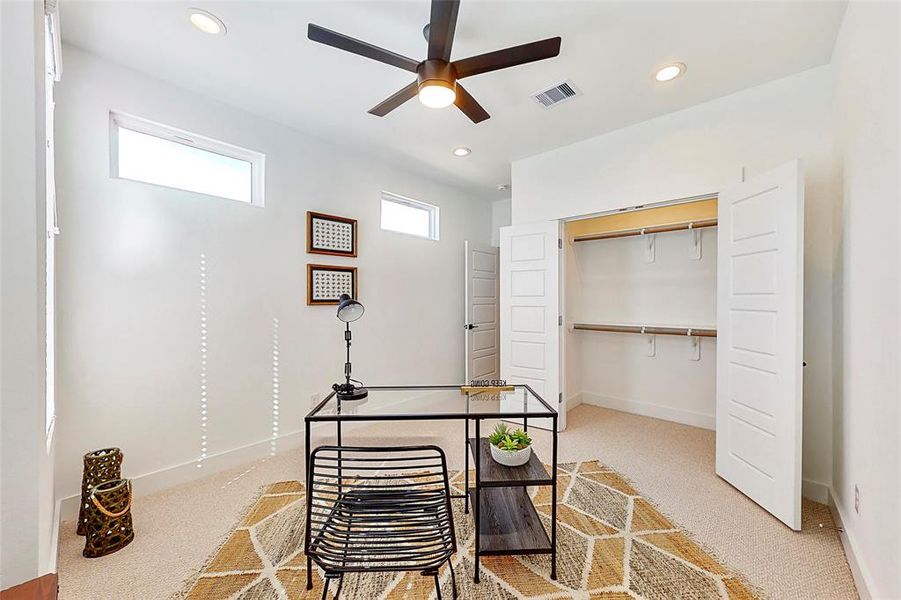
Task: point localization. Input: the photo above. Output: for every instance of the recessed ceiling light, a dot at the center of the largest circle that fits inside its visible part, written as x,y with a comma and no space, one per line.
670,72
462,151
206,22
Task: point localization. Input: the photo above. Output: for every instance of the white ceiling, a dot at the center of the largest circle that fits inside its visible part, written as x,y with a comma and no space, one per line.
610,50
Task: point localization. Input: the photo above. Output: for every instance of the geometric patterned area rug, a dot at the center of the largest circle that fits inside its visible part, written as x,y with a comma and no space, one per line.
613,544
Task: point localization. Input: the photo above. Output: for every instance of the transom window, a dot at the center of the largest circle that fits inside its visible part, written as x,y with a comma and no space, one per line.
405,215
149,152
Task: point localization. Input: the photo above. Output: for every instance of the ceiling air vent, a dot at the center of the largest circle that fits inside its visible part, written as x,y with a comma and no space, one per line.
557,94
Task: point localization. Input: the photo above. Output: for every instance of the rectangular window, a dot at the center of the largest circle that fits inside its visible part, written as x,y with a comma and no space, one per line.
144,151
406,215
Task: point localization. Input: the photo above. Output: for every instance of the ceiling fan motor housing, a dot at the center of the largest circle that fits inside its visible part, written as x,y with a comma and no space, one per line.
436,72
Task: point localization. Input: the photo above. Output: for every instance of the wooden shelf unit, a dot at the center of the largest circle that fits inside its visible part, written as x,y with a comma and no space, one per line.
694,214
647,329
509,523
680,226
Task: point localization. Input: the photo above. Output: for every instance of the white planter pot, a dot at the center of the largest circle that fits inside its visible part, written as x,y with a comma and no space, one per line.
509,458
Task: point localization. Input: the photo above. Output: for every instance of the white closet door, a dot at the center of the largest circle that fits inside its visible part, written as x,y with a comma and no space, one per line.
760,289
530,306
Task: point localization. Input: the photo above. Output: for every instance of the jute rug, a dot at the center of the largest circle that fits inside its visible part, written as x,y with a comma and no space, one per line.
613,544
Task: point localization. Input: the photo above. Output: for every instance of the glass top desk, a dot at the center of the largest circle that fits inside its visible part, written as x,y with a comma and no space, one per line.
506,521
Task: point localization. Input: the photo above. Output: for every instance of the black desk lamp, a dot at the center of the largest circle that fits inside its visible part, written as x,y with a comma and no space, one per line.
349,310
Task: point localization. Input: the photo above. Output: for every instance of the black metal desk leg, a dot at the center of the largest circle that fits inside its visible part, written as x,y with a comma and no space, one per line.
309,491
338,438
476,507
466,470
554,503
525,409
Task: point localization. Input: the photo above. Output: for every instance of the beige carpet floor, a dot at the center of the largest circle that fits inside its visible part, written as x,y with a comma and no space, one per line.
672,465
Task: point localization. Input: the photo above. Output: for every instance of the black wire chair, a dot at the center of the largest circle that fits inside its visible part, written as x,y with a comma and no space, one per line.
378,510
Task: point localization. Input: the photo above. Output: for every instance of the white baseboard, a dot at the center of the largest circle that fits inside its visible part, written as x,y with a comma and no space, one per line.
648,409
167,477
815,490
862,579
156,481
573,401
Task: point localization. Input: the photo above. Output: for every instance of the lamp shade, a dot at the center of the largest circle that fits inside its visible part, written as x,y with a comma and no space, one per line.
349,310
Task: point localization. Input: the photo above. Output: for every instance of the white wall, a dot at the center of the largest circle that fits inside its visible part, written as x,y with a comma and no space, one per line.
501,216
867,425
129,275
612,282
26,498
698,151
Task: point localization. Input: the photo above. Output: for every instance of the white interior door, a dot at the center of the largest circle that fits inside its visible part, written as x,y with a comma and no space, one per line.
530,308
481,326
760,289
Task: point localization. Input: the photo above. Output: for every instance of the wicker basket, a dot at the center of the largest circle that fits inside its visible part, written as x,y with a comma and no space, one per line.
99,466
108,525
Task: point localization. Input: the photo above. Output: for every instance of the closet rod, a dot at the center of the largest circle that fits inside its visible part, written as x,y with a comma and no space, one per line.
647,330
607,235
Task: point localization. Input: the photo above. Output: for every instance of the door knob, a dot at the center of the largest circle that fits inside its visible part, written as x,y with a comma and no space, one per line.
470,326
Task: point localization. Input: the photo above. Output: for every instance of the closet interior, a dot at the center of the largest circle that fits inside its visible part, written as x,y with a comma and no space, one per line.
639,302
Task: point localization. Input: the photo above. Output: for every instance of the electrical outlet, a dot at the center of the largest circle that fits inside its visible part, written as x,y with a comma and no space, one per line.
856,500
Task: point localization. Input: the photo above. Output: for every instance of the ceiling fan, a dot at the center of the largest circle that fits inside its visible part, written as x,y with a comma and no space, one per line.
437,77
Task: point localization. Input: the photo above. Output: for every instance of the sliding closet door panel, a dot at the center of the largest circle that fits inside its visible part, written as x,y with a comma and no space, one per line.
759,346
530,336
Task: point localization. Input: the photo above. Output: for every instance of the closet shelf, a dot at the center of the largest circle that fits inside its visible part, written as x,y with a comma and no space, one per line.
621,233
647,329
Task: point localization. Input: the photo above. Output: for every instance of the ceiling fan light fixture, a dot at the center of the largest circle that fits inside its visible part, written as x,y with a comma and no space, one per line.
437,76
670,72
435,93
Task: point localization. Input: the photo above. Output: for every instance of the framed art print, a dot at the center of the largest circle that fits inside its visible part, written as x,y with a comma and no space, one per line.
328,234
326,283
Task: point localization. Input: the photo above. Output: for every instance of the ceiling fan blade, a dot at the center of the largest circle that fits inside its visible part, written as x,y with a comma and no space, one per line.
442,24
469,106
509,57
395,100
349,44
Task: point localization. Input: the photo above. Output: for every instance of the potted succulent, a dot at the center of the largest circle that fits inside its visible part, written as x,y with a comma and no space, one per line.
509,447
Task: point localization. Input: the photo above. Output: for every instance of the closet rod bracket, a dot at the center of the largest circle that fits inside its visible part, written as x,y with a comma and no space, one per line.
695,350
652,344
694,250
651,246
